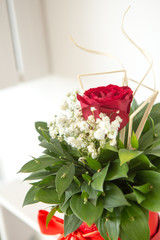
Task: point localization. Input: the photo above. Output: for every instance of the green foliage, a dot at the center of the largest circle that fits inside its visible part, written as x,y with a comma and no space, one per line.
114,191
134,141
114,197
71,223
99,178
64,178
86,211
126,155
134,223
30,196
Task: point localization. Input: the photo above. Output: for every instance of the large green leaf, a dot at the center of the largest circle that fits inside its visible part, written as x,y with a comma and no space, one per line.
141,163
125,155
154,152
64,178
73,189
114,197
148,138
113,223
30,196
102,228
134,223
71,223
155,113
116,171
49,181
39,163
38,175
49,196
152,201
86,212
107,153
53,146
99,178
93,164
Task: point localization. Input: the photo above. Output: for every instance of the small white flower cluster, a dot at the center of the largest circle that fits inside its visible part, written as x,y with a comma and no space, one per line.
88,136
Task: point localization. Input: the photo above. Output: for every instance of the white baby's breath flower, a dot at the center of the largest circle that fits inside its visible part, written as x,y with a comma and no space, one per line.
94,155
64,106
113,142
112,134
93,109
102,115
61,119
91,119
99,134
91,147
119,119
83,126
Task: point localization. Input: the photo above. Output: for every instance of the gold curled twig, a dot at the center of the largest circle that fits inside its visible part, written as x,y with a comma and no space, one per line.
150,101
97,52
150,61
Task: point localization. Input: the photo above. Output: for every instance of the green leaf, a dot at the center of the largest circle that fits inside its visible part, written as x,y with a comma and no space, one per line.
49,196
99,178
49,181
113,223
29,198
64,207
107,153
120,144
41,125
38,175
87,178
134,105
141,163
86,212
50,215
116,171
53,146
153,196
73,189
114,197
101,225
146,126
140,197
125,155
134,141
134,223
93,194
145,188
71,223
148,139
64,178
93,164
39,163
155,113
76,180
154,152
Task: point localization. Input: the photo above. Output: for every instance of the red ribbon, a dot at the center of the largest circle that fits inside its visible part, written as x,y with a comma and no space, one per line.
56,226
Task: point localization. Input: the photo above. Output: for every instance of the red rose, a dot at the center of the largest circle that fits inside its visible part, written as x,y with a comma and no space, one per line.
111,100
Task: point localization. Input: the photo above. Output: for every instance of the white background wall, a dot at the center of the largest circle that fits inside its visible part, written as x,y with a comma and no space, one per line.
95,24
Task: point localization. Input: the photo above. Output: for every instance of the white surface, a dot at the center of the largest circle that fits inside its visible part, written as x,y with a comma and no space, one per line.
20,107
96,25
11,198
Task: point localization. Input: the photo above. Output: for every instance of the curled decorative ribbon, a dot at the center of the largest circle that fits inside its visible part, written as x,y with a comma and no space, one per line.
56,226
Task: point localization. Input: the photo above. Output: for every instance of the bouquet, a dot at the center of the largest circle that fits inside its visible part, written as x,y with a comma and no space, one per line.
106,187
